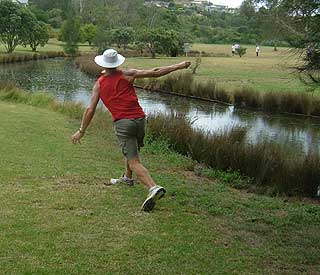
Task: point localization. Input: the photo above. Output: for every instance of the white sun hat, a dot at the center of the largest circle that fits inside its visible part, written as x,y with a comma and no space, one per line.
109,59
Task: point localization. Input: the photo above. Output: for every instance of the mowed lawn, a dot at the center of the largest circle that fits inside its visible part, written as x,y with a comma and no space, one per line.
58,216
270,72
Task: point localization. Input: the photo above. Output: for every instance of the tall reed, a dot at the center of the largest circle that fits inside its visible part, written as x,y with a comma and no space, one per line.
22,57
87,65
266,163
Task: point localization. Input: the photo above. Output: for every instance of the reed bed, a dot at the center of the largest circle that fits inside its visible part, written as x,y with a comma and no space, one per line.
12,93
20,57
274,102
269,167
185,84
87,65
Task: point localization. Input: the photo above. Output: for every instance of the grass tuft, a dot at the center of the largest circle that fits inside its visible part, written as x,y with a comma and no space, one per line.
23,57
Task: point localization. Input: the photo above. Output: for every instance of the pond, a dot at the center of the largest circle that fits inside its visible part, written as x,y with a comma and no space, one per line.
61,78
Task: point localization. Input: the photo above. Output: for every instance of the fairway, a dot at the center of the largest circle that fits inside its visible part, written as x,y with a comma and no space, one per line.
270,72
58,216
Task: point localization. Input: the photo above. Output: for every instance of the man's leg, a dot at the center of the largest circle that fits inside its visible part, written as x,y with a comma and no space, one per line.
156,192
128,172
142,173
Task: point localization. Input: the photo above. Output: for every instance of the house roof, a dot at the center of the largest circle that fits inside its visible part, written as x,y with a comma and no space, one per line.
22,1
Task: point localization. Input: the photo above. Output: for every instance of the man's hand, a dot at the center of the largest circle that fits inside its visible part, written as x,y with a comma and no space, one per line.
76,137
184,64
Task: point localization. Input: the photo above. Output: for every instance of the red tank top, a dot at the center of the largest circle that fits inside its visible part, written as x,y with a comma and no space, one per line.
119,97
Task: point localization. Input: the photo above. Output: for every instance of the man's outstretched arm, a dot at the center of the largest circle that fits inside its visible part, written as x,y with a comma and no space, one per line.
156,72
88,114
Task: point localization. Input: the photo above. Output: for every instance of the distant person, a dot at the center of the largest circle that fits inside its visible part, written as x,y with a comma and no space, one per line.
115,88
257,50
233,49
310,50
236,48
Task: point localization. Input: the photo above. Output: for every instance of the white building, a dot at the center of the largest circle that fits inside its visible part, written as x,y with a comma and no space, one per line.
23,2
214,7
199,3
157,3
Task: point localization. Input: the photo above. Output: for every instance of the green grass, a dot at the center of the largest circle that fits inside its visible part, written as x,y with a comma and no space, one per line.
271,71
58,217
53,45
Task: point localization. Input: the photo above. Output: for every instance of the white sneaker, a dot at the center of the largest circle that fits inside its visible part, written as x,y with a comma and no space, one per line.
123,179
155,193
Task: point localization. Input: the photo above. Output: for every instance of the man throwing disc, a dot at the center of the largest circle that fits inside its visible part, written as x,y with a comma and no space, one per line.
115,88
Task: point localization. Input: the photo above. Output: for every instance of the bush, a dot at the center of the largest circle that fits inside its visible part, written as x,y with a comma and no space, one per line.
241,51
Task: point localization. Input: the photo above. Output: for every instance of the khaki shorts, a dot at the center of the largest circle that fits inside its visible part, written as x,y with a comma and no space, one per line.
130,133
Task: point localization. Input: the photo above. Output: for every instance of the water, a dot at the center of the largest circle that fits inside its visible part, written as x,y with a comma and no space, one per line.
61,78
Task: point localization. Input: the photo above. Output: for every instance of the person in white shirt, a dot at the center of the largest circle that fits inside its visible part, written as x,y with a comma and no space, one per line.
233,49
257,50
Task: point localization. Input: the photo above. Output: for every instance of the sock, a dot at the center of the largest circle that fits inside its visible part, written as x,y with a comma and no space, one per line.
152,188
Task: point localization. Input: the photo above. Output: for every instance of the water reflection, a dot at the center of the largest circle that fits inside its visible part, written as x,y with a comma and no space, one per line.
60,77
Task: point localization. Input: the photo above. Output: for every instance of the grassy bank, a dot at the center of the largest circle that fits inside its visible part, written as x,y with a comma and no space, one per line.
59,217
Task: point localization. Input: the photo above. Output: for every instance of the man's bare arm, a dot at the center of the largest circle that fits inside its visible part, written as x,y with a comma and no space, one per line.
88,113
155,72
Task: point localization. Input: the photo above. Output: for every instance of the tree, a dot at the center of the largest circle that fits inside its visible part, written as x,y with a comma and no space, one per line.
270,30
247,9
172,42
299,22
16,23
38,36
71,34
152,39
40,14
102,39
55,18
88,33
122,37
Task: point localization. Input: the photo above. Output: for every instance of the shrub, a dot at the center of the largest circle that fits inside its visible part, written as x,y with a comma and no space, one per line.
241,51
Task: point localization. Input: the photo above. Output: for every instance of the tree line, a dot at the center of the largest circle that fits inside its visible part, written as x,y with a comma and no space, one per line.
19,26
